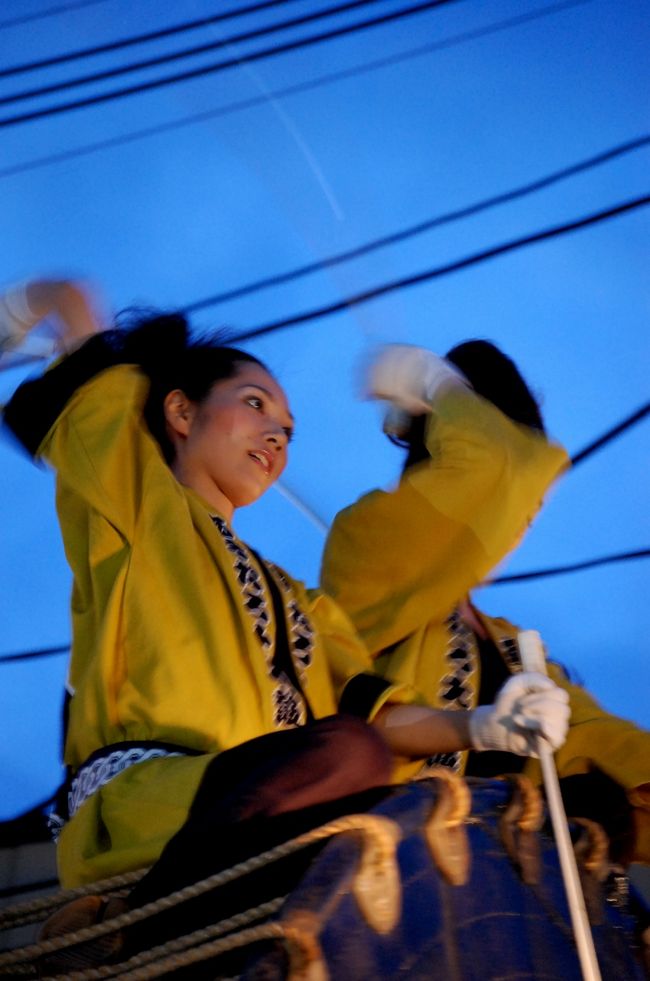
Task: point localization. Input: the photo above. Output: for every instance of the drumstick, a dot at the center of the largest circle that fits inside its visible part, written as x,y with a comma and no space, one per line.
532,659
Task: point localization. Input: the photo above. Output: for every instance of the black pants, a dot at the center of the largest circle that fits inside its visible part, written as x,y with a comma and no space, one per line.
253,797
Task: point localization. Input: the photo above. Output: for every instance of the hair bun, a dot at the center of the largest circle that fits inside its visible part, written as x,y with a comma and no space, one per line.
495,376
158,345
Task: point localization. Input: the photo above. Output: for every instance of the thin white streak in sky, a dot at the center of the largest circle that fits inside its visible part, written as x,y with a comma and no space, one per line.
288,122
298,503
302,144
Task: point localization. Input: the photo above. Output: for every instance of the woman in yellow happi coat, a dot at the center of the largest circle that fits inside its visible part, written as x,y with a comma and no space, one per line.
402,563
207,688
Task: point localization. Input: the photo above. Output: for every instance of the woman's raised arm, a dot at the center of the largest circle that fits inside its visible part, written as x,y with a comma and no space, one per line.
67,304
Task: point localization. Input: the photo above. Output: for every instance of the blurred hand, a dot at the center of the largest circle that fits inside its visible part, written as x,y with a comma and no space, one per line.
66,304
408,377
16,317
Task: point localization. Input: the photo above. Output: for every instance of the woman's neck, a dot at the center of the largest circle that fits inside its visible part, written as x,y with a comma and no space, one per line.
470,616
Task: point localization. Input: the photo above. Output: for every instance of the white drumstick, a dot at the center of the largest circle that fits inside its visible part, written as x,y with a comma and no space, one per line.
532,659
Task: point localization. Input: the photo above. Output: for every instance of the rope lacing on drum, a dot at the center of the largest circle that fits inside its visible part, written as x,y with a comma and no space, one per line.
18,915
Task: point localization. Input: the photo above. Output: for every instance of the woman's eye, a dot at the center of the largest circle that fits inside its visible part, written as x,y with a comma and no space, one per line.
289,434
255,401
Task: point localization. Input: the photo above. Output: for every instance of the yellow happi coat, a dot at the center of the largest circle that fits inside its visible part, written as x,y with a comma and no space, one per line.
399,563
166,645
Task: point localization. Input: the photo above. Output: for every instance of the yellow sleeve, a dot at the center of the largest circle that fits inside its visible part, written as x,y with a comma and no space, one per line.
616,746
358,689
398,560
102,450
619,748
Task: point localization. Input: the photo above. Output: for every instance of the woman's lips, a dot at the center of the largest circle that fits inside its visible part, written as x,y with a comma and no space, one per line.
264,459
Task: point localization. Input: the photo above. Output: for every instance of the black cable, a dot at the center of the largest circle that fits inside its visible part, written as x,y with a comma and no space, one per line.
315,83
424,226
559,570
62,8
223,65
611,434
29,655
197,49
206,22
450,267
642,553
188,25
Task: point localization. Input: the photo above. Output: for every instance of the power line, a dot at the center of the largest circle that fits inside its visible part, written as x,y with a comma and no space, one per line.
611,434
30,655
559,570
127,42
51,12
206,22
642,553
435,273
424,226
290,90
165,59
445,270
223,65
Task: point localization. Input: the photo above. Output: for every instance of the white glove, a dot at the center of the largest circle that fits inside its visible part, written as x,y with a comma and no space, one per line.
16,317
409,377
527,706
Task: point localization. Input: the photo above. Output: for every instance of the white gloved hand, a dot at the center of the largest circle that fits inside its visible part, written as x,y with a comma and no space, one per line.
16,317
409,377
527,706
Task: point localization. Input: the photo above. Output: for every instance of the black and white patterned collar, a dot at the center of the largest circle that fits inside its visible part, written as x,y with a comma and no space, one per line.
289,709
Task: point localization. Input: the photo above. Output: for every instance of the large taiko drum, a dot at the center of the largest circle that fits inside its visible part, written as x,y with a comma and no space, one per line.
454,880
446,879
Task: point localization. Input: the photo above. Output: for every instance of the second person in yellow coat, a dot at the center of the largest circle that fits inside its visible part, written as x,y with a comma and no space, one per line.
402,563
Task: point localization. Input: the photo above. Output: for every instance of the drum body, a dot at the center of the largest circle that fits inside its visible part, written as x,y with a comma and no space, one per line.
508,919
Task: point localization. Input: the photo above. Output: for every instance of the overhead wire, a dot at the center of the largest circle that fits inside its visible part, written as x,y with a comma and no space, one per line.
424,226
450,267
383,289
328,78
610,435
253,56
126,42
559,570
61,8
197,49
30,655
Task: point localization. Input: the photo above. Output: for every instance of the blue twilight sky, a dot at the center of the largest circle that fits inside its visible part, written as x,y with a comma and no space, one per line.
465,101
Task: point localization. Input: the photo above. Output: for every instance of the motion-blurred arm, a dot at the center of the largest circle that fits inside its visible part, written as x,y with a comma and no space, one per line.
66,304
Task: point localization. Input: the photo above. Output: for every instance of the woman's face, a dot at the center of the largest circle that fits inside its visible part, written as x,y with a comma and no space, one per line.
232,446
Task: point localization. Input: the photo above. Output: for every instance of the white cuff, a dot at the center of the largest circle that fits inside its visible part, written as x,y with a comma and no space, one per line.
409,377
16,316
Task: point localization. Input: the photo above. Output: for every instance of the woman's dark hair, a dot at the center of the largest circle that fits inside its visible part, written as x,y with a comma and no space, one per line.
492,375
160,344
496,377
